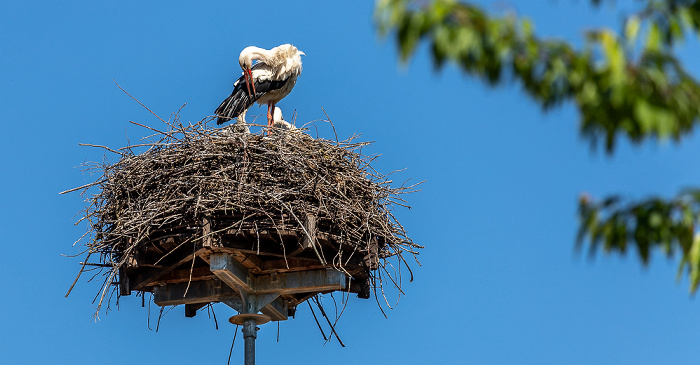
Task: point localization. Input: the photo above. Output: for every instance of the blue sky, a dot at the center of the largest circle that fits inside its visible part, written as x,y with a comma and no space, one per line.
500,281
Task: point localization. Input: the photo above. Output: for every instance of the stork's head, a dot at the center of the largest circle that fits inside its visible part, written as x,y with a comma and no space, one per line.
245,59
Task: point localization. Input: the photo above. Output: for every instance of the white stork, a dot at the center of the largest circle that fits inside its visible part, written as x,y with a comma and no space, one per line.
267,82
279,122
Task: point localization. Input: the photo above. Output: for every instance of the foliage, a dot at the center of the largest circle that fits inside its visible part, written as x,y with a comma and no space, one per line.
655,222
628,83
622,84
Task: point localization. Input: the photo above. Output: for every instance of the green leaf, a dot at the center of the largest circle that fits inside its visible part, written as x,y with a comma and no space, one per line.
654,38
632,28
644,115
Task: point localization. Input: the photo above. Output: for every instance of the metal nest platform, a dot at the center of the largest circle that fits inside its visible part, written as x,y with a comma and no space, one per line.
250,271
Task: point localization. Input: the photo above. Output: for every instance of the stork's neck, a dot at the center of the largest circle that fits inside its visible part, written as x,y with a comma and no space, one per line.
256,53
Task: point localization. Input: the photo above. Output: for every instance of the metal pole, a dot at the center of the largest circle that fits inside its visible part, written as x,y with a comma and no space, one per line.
249,335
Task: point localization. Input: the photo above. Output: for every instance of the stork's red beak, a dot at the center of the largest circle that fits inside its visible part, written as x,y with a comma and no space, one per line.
249,81
250,76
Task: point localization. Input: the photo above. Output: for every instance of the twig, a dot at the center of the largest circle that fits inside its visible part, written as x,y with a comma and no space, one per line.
140,103
235,333
320,307
318,324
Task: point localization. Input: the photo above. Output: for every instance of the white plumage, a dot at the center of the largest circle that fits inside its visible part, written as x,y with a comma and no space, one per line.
267,82
278,122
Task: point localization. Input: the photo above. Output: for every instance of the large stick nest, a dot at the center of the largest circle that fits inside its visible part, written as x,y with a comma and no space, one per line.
191,176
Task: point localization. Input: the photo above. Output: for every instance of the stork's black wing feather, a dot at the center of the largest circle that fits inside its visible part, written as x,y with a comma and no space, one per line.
262,87
239,100
235,104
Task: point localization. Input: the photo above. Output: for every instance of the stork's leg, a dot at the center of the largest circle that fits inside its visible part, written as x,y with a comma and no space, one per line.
272,113
270,107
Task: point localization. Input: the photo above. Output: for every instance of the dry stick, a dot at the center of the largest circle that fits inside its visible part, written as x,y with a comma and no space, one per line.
331,122
194,258
153,129
82,268
155,144
104,147
392,279
148,323
318,324
104,287
257,234
381,288
108,264
345,304
284,249
373,279
174,249
410,272
213,313
160,314
140,103
76,242
345,301
320,307
323,261
82,187
235,333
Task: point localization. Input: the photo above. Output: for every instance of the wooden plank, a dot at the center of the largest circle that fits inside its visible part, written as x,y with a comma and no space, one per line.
191,309
205,256
269,247
310,225
301,298
230,271
301,282
235,275
294,263
249,261
248,251
206,232
277,310
185,275
311,229
198,292
285,233
361,287
310,239
151,277
372,257
124,288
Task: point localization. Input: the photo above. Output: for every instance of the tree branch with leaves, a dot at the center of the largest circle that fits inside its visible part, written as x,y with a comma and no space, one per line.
627,83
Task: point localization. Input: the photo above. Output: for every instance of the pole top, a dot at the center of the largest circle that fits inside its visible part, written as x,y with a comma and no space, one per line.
239,319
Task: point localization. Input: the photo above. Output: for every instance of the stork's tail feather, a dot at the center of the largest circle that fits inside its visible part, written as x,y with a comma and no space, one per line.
221,120
238,102
232,107
226,111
